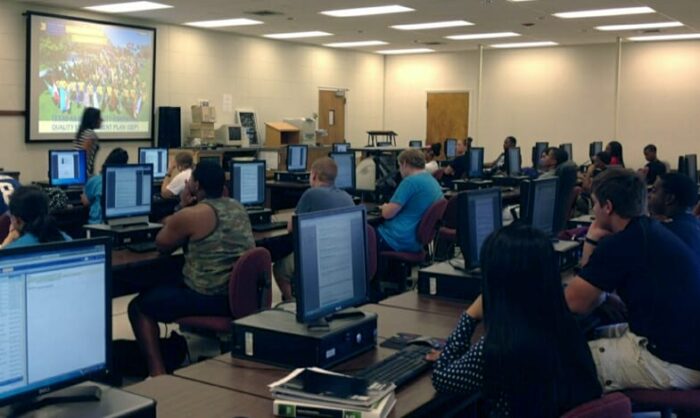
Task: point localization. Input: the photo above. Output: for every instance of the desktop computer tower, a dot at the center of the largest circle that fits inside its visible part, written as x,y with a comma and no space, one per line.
169,128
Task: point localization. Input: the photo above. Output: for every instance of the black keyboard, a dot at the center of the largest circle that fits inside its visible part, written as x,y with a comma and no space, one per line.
270,226
399,368
142,247
375,211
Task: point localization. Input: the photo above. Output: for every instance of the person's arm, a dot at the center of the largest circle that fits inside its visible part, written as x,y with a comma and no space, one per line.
176,229
164,190
84,200
389,210
12,235
449,170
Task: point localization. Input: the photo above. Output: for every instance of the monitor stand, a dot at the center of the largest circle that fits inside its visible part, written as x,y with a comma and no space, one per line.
82,393
324,323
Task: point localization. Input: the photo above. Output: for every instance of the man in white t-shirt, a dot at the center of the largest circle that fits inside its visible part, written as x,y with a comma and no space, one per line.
178,174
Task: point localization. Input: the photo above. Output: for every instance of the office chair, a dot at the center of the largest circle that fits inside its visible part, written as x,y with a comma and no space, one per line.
565,188
437,174
667,402
447,234
371,252
612,405
4,226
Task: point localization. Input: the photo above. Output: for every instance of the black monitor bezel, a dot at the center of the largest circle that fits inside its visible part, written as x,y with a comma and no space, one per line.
334,147
469,163
541,147
507,161
693,174
104,191
570,147
84,158
531,200
594,148
412,144
154,171
289,156
353,163
463,231
450,140
59,246
232,180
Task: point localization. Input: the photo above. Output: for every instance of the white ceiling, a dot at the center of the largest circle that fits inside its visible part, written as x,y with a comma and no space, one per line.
487,15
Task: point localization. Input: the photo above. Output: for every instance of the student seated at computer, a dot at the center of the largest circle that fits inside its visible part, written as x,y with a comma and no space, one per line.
215,232
671,201
431,164
416,193
500,163
533,359
553,158
31,223
614,148
601,161
657,277
322,195
458,166
92,195
7,186
178,174
654,167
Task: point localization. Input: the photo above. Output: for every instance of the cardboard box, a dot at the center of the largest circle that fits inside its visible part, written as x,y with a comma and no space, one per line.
203,114
204,130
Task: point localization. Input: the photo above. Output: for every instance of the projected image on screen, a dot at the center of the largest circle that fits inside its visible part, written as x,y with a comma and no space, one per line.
76,64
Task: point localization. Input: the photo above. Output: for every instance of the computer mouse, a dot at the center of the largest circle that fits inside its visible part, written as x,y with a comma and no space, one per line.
424,341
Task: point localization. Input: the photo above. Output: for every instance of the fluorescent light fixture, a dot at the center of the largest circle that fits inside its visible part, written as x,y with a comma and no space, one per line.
405,51
676,37
637,26
433,25
367,11
621,11
518,1
492,35
354,44
525,44
134,6
224,23
294,35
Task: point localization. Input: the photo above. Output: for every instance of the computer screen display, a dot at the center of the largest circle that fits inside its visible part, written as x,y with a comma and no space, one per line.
415,143
691,162
475,166
513,162
67,168
346,170
537,152
296,157
55,326
569,150
479,214
330,252
450,148
215,158
341,147
158,157
126,190
248,182
594,148
542,200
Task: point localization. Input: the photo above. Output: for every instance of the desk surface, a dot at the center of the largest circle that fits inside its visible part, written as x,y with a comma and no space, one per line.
413,301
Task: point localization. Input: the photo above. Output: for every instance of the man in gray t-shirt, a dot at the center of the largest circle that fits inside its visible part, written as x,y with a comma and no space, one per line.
322,195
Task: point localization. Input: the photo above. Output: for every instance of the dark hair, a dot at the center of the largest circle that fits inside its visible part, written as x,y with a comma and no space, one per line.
117,156
31,205
532,341
560,155
682,187
211,178
512,141
90,120
650,148
603,157
437,148
624,188
616,151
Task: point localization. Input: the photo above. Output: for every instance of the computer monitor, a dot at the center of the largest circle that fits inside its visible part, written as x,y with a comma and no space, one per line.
330,252
537,152
297,156
127,193
346,170
158,157
56,321
248,182
479,214
450,148
415,143
569,150
212,157
513,161
689,166
67,168
341,147
475,163
594,148
540,203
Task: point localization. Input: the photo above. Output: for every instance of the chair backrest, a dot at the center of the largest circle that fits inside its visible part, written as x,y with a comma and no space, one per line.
449,218
249,285
567,180
4,226
371,252
428,223
439,173
612,405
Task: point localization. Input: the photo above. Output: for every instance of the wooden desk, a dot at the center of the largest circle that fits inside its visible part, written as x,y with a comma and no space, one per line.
393,320
414,301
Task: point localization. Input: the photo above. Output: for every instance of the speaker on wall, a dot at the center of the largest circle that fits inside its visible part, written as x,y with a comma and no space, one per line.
169,132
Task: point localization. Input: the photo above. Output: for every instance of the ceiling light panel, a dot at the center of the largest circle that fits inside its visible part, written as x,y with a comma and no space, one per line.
525,44
676,37
134,6
368,11
224,23
433,25
473,36
621,11
296,35
405,51
354,44
640,26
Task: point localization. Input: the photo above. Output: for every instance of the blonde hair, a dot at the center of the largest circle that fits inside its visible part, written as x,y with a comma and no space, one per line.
412,157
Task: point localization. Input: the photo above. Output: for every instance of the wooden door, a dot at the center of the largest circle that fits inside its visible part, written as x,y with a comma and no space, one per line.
331,115
448,116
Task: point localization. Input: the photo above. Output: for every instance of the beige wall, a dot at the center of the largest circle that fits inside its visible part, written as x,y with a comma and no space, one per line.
277,79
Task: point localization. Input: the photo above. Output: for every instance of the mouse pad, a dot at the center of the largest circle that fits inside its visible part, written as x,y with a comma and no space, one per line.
402,339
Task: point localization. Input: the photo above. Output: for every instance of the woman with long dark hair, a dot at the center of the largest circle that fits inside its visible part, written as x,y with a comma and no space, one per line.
30,220
86,138
533,360
615,150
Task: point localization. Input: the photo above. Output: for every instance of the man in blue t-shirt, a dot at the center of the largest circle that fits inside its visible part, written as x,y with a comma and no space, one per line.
416,193
657,277
7,187
671,201
322,195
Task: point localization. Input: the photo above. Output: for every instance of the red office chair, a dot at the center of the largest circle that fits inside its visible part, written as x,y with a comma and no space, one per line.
371,252
248,292
665,401
4,226
426,233
447,234
612,405
438,174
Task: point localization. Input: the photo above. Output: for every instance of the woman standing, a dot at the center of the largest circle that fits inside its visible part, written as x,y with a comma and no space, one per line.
86,138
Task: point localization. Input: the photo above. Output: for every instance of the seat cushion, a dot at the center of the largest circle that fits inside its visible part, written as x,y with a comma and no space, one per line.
448,234
681,399
612,405
412,258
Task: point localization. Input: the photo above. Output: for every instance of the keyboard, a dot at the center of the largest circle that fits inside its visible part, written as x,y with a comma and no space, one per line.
142,247
375,211
269,227
399,368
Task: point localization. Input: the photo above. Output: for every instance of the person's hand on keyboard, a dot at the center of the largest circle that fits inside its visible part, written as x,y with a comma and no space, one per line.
433,355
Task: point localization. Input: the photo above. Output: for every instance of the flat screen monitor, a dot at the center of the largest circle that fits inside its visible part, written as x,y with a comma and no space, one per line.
56,321
450,148
346,170
594,148
248,182
475,163
691,167
212,158
126,190
537,152
341,147
415,143
479,214
569,150
541,204
513,161
67,168
330,251
158,157
297,156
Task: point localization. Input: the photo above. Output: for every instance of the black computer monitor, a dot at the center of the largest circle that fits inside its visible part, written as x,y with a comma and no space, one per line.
126,191
475,163
594,148
450,148
248,182
690,169
341,147
330,252
67,168
297,156
415,143
540,203
346,170
56,321
158,157
569,148
479,214
212,157
513,161
537,152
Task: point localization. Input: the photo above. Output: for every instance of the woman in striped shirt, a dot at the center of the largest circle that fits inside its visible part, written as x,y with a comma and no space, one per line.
86,138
